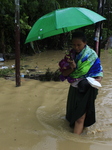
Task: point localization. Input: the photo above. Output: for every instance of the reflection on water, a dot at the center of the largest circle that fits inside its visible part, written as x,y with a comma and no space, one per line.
52,113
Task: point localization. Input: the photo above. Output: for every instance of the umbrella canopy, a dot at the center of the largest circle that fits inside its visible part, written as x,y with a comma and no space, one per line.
61,21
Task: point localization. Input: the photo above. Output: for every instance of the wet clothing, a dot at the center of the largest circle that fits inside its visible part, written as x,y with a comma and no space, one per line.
79,103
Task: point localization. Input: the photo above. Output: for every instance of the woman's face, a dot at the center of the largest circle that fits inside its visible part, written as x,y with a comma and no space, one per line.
78,45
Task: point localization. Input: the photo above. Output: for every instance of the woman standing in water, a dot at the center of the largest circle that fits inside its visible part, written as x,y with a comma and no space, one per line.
80,63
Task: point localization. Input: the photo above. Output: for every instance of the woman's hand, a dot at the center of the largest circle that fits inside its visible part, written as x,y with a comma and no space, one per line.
98,79
72,64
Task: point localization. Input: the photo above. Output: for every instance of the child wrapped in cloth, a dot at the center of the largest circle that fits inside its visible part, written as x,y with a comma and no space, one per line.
80,63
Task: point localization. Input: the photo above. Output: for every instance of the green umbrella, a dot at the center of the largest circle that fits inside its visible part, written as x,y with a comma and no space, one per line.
61,21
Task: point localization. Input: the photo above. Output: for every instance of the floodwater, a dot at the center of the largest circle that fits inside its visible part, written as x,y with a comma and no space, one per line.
32,116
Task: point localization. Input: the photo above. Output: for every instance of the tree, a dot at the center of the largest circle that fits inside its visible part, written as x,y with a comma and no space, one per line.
7,17
31,10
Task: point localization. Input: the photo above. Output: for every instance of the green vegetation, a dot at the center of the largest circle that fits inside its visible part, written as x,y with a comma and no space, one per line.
110,51
50,76
6,72
47,76
31,10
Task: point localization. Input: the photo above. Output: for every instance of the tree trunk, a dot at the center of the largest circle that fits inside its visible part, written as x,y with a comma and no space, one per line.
2,42
98,28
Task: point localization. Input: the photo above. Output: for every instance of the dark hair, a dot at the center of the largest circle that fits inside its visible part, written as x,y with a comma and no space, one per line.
79,35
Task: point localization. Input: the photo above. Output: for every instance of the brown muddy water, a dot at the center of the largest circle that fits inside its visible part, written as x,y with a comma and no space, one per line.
32,116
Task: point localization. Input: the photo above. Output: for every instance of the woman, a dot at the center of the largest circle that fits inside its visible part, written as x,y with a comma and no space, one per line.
80,63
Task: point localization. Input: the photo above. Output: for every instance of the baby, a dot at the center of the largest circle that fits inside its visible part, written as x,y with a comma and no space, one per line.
64,63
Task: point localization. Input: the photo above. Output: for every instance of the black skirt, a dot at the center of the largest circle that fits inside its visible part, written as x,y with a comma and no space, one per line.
79,103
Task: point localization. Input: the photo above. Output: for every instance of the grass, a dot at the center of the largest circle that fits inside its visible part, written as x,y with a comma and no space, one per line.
47,76
6,72
110,51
